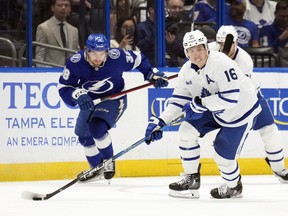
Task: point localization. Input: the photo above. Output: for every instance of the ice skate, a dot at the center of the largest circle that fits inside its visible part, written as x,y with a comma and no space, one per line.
225,192
109,170
91,175
281,175
188,187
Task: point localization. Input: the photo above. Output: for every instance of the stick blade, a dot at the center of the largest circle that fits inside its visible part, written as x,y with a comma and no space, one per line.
228,43
33,196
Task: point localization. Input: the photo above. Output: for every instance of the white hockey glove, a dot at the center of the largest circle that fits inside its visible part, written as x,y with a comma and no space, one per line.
84,101
158,77
194,109
153,131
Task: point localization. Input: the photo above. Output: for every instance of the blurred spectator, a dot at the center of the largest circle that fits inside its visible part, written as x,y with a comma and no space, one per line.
205,12
145,33
139,10
276,34
49,32
261,12
174,7
119,8
175,55
125,35
13,16
80,18
248,33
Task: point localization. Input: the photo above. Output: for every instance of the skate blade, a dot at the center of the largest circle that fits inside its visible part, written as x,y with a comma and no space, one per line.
281,180
233,197
95,179
187,194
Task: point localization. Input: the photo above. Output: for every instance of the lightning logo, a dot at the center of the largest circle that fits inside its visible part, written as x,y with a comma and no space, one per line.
121,109
99,87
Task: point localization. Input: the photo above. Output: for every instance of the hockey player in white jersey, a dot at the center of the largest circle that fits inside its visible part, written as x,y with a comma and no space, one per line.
214,94
264,124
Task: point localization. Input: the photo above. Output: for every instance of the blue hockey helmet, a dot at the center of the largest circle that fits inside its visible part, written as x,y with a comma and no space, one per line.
97,42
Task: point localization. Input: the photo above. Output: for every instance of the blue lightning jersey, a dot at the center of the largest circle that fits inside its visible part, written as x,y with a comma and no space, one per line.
100,81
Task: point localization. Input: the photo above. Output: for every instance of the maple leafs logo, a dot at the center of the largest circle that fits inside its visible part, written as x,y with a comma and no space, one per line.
205,92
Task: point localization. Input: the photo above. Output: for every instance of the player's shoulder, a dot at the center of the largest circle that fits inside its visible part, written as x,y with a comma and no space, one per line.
76,59
271,4
117,54
243,53
242,56
216,55
120,55
186,66
213,46
218,60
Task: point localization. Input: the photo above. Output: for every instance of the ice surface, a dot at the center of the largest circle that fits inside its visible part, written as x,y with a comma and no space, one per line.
262,195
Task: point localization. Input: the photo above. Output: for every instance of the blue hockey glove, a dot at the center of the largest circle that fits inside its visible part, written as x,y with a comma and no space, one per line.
84,101
158,77
194,109
153,131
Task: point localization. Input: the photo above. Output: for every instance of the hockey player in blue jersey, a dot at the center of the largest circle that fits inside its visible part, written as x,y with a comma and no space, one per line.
265,125
88,77
214,94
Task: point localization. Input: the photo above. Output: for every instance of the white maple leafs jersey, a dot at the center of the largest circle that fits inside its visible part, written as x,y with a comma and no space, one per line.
243,60
224,89
245,63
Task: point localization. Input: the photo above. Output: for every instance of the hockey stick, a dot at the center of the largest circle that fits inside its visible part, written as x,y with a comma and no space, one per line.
40,197
228,43
96,101
193,16
139,87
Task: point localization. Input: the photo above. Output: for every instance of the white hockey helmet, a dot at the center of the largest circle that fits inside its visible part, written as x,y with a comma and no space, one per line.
194,38
223,31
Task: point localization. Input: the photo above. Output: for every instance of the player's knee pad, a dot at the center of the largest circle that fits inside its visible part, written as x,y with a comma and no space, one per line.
98,128
188,141
188,135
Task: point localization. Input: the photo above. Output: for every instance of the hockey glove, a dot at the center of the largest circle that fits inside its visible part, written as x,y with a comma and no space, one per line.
84,101
194,109
159,78
153,131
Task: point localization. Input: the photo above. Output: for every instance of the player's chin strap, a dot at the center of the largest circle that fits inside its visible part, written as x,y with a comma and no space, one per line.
39,197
